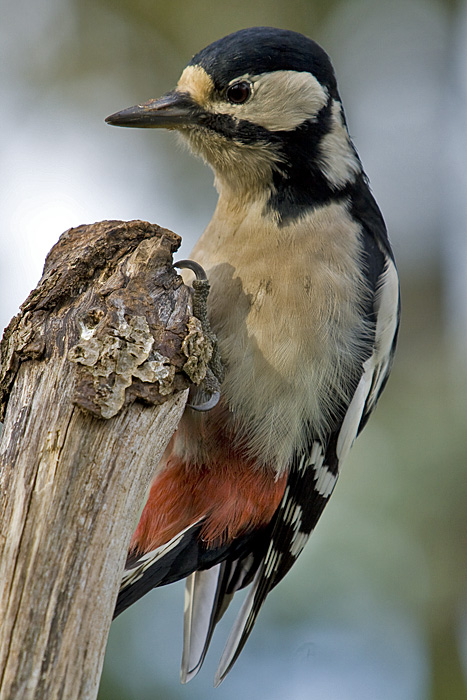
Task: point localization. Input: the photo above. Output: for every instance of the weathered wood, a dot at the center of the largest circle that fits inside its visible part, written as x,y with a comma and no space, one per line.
93,373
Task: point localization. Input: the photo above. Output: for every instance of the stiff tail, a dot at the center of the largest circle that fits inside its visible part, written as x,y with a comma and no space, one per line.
205,602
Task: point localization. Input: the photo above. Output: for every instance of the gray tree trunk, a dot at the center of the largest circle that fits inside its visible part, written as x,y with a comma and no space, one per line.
93,382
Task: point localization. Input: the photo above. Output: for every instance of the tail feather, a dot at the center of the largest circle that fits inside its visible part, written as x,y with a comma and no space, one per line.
204,605
240,631
208,595
262,582
183,555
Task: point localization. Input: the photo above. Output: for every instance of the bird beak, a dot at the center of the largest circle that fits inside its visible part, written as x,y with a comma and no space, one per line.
172,111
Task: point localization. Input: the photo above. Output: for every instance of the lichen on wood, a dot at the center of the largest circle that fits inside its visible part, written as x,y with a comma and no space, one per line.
128,338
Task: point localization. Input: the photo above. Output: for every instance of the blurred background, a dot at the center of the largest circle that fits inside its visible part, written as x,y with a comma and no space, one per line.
376,607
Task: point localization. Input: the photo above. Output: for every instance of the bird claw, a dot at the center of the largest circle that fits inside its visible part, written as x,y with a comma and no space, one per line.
194,267
206,405
215,371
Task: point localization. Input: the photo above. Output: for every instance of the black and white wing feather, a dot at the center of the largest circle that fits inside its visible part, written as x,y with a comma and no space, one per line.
313,476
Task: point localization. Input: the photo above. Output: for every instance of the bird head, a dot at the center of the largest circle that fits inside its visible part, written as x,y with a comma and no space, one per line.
261,106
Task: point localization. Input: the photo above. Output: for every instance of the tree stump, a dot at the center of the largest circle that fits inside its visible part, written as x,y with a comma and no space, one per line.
93,381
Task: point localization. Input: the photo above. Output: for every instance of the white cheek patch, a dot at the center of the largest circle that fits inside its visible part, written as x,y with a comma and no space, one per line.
281,100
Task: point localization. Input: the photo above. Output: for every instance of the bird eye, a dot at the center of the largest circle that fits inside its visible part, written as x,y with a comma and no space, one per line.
238,93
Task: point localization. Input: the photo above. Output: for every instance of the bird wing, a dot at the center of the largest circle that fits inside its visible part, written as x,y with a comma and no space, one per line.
304,499
166,564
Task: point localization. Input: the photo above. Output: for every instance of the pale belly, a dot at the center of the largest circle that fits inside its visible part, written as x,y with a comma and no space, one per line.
285,305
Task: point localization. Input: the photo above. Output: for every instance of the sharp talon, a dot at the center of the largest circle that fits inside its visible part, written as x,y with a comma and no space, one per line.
207,405
193,266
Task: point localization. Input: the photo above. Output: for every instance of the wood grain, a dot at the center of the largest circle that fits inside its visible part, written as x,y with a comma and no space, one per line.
92,386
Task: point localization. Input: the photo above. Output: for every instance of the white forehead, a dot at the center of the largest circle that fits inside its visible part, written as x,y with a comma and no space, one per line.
281,100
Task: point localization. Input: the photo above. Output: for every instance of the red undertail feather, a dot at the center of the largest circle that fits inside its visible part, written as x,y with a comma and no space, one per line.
234,498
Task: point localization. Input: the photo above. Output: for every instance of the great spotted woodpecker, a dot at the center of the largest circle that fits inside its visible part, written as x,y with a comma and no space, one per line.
305,304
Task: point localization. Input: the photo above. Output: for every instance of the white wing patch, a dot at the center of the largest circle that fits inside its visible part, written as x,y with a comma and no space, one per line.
325,480
387,304
348,431
375,369
300,540
272,561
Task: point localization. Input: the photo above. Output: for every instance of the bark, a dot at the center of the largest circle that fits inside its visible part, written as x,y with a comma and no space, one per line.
93,378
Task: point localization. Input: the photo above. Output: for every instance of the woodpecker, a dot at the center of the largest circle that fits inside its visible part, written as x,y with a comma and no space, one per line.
305,305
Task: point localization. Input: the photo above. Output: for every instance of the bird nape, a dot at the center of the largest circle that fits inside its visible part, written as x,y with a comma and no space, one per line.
305,304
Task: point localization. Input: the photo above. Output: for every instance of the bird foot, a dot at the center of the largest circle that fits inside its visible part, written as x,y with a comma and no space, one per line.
207,395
